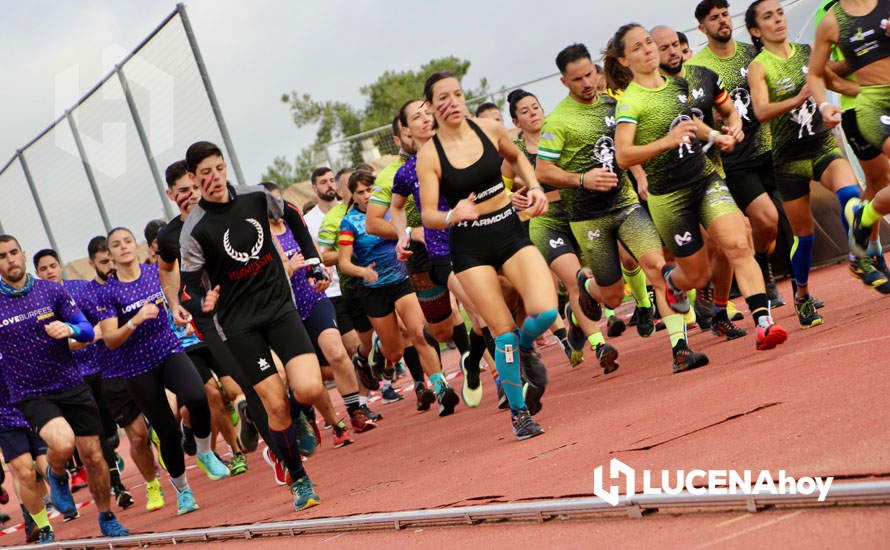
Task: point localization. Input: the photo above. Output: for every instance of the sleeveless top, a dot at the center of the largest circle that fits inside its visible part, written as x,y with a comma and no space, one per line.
861,38
482,177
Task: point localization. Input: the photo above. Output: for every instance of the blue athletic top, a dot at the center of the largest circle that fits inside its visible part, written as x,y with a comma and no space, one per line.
369,249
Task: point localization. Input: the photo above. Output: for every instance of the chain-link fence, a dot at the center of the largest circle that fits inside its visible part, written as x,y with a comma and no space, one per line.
373,144
101,163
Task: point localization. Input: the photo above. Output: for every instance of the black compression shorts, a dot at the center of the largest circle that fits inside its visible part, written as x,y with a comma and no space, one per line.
75,405
490,240
286,336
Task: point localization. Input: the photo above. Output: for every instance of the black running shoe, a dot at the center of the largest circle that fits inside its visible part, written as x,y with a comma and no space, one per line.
857,236
772,292
615,327
524,426
425,397
817,303
632,322
685,359
880,264
589,306
122,497
807,315
372,415
645,320
862,268
248,435
704,306
448,400
574,334
363,372
722,326
607,355
189,445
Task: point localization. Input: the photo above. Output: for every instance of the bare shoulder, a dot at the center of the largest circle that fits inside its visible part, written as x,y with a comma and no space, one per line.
427,157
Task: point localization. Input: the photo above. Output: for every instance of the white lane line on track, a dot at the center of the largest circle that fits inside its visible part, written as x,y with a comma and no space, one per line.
746,515
749,530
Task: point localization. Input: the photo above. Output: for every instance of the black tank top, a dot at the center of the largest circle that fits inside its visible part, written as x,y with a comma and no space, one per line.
483,177
861,38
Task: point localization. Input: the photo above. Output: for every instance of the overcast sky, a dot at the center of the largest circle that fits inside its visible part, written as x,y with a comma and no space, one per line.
255,51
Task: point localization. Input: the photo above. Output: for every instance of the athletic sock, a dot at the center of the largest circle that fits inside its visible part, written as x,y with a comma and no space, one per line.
595,339
758,304
181,483
844,194
534,326
870,215
460,337
438,382
489,340
636,280
351,401
40,518
676,327
203,444
874,248
412,361
115,477
477,348
802,258
362,400
507,361
286,442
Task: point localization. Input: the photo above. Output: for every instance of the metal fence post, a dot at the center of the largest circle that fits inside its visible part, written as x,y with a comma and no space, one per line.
89,172
36,196
146,146
208,87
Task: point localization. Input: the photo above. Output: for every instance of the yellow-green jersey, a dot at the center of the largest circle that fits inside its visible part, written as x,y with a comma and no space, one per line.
382,194
578,137
733,72
328,234
793,132
655,111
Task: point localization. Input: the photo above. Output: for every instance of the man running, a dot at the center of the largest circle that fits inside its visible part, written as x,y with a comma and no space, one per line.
227,238
38,319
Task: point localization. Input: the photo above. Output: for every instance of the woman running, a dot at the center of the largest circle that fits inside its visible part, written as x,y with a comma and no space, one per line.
863,117
803,148
656,128
320,319
385,291
463,164
151,359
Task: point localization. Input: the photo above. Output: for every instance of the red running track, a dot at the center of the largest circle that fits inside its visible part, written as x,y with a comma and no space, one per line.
817,405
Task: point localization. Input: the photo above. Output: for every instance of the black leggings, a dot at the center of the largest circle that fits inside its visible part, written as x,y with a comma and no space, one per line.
178,374
109,438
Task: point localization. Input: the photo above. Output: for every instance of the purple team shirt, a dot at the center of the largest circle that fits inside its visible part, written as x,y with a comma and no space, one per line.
84,294
406,185
152,341
31,362
105,358
10,417
305,294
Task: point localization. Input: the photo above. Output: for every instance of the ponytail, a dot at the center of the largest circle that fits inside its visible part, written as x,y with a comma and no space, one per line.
618,77
751,23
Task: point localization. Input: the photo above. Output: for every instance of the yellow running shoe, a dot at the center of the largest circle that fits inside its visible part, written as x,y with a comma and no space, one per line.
732,312
154,496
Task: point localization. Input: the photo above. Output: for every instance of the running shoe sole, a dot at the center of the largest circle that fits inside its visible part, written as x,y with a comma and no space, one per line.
775,335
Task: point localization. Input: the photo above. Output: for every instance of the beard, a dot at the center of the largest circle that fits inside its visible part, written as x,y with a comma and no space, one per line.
673,71
18,276
104,276
327,197
720,38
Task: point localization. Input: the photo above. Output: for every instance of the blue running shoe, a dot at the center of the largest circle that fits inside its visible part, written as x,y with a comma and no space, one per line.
110,526
61,495
210,464
306,442
185,502
304,494
46,535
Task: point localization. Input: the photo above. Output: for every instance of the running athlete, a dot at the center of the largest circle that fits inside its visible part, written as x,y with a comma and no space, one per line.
463,164
150,358
658,129
416,116
490,111
578,153
803,148
708,98
121,406
320,318
328,236
38,320
227,238
749,167
214,357
25,454
48,267
856,31
385,292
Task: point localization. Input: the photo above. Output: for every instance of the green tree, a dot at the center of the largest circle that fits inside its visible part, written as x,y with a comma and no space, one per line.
284,174
337,120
